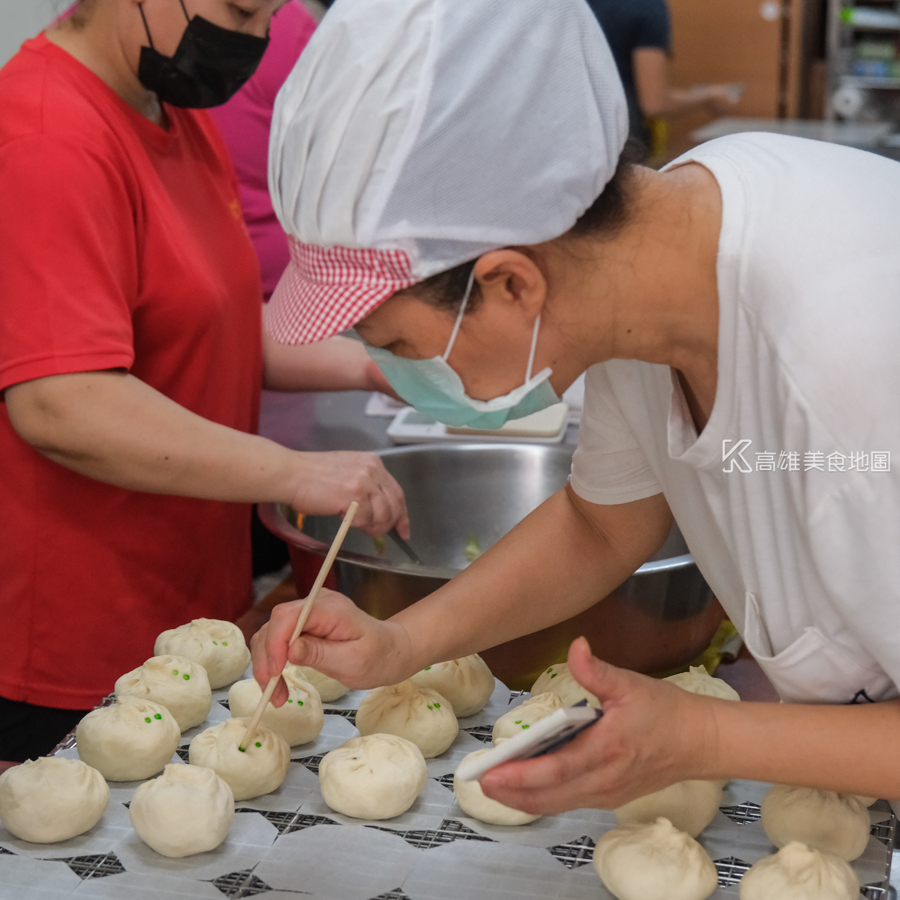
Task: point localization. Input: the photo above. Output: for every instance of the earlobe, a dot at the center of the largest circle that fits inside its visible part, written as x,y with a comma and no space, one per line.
512,277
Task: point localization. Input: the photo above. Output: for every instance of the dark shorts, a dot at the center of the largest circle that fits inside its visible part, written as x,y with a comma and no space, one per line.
27,731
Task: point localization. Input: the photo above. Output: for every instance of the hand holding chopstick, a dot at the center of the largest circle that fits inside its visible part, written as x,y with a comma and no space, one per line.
301,621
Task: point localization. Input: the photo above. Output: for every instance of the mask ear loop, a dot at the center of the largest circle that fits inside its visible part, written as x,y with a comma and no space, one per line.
146,27
459,318
534,339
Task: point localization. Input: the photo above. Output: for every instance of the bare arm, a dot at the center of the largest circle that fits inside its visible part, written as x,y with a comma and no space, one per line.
114,428
554,564
658,98
338,364
557,562
840,748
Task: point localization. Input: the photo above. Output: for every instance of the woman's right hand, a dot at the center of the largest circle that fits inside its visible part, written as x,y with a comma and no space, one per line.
339,640
330,482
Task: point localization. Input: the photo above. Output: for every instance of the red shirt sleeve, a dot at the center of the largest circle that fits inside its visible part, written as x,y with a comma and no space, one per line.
68,273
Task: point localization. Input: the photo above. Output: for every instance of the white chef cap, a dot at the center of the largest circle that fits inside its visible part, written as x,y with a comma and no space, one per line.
415,135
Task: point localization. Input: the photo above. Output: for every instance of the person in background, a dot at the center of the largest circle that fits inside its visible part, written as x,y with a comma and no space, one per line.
131,356
245,121
640,37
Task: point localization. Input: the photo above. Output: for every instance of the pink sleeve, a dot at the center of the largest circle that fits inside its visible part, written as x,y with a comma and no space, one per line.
292,27
245,122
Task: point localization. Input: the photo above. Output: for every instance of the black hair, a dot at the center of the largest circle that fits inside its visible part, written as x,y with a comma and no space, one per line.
603,219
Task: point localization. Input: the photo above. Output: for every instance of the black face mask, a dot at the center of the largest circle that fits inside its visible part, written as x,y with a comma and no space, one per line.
209,67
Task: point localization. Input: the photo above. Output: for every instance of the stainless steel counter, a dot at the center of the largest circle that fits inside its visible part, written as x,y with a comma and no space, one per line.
337,421
861,135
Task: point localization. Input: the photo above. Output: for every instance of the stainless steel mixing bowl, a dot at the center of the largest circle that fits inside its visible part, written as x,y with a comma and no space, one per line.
463,495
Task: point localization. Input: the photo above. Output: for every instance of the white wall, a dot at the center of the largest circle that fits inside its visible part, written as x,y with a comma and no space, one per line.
22,19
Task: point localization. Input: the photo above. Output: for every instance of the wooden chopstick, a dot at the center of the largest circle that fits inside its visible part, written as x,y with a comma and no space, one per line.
301,621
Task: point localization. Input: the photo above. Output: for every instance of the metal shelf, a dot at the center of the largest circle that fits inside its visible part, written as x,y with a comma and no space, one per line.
860,81
887,29
878,104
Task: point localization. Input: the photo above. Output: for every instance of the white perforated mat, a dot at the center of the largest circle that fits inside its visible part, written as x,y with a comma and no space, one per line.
290,844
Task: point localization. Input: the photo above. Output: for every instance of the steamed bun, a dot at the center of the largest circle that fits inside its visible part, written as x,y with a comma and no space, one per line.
298,721
129,741
418,714
823,820
187,810
467,683
558,679
798,873
689,805
328,688
654,862
377,776
523,716
473,802
51,799
215,644
699,681
258,770
175,682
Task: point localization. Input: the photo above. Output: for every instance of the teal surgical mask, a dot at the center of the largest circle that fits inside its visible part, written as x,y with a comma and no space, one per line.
434,388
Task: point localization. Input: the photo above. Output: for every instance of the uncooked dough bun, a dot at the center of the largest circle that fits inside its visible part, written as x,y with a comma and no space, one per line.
48,799
823,820
699,681
377,776
216,645
418,714
689,805
298,721
329,689
472,801
187,810
654,862
525,715
558,679
129,741
175,682
259,769
467,683
798,873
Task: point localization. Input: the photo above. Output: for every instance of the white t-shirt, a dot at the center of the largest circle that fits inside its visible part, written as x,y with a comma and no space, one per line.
806,562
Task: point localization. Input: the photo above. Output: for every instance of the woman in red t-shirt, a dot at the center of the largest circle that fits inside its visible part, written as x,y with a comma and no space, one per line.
131,355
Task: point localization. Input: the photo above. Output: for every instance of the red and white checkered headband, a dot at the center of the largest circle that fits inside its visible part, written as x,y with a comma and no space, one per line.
326,290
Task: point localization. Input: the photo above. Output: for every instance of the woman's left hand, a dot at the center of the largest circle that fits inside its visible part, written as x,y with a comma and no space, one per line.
652,734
